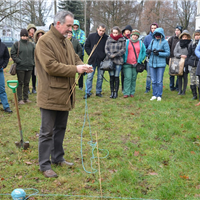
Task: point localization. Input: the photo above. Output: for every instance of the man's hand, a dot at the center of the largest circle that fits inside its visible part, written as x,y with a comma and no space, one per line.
84,68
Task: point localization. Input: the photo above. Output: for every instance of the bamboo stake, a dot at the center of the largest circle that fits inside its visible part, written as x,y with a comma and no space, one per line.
74,85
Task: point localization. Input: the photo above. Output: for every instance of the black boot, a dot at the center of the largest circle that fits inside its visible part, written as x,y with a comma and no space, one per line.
116,87
194,91
179,85
112,79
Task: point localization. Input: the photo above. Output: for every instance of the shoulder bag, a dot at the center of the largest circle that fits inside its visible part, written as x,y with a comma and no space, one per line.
13,67
176,66
139,67
107,65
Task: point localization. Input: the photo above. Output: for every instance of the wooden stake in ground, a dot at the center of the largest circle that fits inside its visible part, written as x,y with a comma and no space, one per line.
99,166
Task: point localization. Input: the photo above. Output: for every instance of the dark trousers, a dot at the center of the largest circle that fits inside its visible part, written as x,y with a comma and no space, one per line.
172,80
52,132
80,81
33,77
182,85
122,79
23,79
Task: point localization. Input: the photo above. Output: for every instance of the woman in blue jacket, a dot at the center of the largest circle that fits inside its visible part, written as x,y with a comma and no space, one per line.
158,50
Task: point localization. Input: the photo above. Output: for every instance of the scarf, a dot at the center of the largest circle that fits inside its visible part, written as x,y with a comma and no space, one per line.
184,43
116,37
134,41
128,36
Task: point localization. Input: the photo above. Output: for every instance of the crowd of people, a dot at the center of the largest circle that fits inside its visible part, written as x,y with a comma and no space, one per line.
124,49
55,57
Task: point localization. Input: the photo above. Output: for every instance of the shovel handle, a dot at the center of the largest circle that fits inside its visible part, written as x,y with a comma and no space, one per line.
11,86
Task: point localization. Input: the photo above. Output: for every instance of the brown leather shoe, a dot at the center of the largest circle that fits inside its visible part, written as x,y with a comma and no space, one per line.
27,101
50,174
21,102
66,164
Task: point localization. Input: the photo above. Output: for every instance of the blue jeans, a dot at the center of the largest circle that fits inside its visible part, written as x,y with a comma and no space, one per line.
90,79
116,71
157,80
148,80
3,96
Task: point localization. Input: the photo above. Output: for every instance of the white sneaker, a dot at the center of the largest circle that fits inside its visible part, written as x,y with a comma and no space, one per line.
153,98
159,99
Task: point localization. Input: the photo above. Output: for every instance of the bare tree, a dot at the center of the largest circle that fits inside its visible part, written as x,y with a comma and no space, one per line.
115,13
186,12
36,12
7,9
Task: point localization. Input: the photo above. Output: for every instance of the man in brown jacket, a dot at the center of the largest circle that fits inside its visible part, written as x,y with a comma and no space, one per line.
56,64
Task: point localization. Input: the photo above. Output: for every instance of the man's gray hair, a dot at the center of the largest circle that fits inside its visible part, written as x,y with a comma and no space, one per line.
60,16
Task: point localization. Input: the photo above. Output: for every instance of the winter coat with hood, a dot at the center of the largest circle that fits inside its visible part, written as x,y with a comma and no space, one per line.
178,51
192,59
36,35
55,61
79,35
149,37
115,49
99,53
159,44
31,39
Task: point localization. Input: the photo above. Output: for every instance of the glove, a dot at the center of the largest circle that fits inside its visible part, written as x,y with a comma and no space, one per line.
155,52
148,51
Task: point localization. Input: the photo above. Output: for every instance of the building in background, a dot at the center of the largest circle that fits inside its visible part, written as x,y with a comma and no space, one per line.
197,25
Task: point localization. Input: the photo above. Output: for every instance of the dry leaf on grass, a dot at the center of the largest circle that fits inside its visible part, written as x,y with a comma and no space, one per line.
153,173
136,153
28,163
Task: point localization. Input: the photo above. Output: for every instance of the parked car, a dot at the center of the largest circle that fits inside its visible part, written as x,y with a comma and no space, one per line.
167,37
8,41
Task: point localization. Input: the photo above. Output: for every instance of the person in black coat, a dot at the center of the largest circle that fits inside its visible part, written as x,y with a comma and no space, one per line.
172,43
99,38
4,59
192,61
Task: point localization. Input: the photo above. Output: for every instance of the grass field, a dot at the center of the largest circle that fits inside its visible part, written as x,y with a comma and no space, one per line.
153,147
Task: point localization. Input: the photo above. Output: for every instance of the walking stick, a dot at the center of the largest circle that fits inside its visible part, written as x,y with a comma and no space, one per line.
74,85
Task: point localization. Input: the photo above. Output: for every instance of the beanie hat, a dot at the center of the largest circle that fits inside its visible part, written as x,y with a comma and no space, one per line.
197,32
24,32
179,28
135,32
31,26
128,27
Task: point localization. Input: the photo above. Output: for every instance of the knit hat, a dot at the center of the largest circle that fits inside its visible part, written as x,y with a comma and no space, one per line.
197,32
128,27
24,32
185,32
31,26
179,28
135,32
